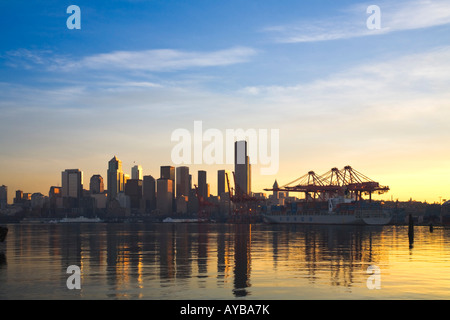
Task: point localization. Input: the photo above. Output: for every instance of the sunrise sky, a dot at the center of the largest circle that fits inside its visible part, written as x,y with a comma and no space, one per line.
339,93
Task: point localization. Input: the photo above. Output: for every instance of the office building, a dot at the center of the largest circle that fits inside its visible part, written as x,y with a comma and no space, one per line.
115,178
19,197
222,183
168,172
133,189
72,183
164,196
3,197
96,184
202,184
137,173
183,179
242,168
149,193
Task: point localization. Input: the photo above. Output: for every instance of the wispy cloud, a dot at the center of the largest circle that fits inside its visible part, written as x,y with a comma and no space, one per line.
409,87
158,60
351,23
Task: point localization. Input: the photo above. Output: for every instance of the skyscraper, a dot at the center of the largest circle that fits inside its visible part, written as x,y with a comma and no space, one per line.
202,184
137,173
222,185
182,178
72,183
3,197
96,184
133,189
168,172
242,168
19,196
115,178
164,196
149,193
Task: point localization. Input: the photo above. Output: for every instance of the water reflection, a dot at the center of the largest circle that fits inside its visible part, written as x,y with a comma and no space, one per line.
172,260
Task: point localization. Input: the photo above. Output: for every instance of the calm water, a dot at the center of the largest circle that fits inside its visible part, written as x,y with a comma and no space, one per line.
221,261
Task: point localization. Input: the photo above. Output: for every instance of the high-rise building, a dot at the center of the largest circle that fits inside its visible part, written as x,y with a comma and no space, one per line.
164,196
72,183
115,178
133,189
168,172
137,173
242,168
19,196
222,185
202,184
96,184
182,178
149,193
53,192
3,197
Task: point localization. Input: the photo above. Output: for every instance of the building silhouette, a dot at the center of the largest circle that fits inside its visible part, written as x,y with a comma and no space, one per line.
96,184
115,178
72,183
202,184
133,189
164,196
3,197
168,172
149,193
183,179
222,186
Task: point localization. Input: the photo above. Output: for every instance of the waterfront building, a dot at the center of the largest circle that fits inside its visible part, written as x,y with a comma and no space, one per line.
242,168
72,183
3,197
149,193
137,173
164,196
96,184
115,178
222,185
168,172
202,184
182,179
133,189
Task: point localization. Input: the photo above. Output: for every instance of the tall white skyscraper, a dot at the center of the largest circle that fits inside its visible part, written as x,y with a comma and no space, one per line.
242,168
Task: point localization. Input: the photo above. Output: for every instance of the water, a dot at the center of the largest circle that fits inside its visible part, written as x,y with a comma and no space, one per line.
223,261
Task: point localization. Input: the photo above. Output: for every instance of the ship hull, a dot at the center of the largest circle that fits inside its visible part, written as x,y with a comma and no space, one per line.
314,219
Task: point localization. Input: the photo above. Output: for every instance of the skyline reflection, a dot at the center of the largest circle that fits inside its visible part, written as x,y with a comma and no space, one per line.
202,261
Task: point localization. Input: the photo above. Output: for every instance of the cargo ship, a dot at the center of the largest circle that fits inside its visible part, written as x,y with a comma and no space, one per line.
337,211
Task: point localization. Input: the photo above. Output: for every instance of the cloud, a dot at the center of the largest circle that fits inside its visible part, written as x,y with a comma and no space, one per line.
405,90
158,60
164,59
350,23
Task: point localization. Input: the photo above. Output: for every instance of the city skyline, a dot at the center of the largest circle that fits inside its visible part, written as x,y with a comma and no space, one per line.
338,92
166,172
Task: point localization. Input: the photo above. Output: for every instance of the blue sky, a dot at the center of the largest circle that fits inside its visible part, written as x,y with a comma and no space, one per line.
338,92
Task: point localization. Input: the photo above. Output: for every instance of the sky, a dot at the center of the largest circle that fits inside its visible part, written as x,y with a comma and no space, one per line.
340,93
